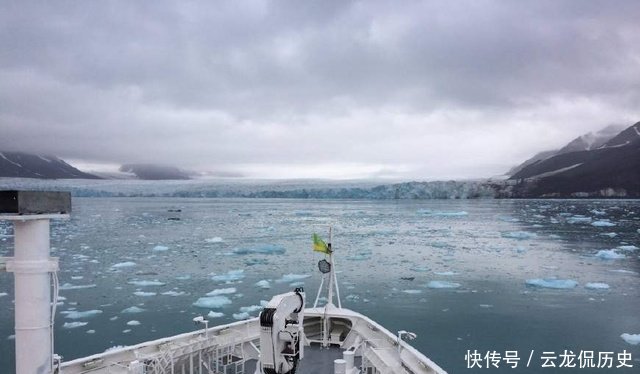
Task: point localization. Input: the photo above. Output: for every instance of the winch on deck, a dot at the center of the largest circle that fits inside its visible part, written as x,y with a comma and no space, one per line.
281,333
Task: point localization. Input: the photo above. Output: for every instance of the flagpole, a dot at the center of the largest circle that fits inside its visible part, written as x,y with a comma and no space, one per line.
332,275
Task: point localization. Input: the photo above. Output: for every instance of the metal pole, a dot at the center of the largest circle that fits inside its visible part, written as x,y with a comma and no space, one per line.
31,266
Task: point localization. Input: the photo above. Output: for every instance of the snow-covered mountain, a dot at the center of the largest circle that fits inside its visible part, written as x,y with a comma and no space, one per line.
26,165
584,142
610,168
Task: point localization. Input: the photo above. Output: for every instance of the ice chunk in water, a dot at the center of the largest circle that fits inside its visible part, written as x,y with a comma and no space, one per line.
609,234
69,286
633,339
78,315
91,331
443,284
431,213
264,284
230,276
174,293
73,325
296,284
292,277
602,223
597,286
412,292
132,309
133,323
160,248
251,308
552,283
609,254
266,249
445,273
628,247
241,316
212,302
3,294
144,294
213,314
126,264
215,239
146,283
222,291
579,219
520,235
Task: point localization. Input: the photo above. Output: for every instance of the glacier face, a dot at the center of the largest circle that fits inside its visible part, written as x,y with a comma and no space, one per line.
366,190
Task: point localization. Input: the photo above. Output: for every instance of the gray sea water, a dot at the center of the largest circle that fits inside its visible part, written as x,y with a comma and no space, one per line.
396,260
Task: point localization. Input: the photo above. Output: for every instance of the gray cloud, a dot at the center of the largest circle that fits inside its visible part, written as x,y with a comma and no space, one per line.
413,89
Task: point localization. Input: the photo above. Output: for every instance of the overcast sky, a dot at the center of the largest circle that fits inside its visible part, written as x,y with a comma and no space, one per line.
322,89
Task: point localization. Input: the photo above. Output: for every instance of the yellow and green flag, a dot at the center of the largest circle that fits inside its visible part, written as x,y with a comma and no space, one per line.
319,245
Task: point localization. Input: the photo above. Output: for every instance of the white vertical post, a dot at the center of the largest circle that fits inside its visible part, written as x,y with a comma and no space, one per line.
348,357
31,266
332,275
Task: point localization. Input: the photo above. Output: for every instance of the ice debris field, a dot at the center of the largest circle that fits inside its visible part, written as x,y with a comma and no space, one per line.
128,273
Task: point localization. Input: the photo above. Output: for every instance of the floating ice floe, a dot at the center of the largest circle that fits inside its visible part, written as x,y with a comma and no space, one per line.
11,337
212,302
230,276
126,264
623,271
241,316
76,277
443,284
174,293
609,254
609,234
183,277
633,339
602,223
552,283
91,331
126,331
296,284
579,219
287,278
79,315
597,286
266,249
486,306
444,273
251,308
215,239
146,283
432,213
160,248
73,325
412,292
629,248
3,294
264,284
144,294
133,323
213,314
69,286
132,309
520,235
222,291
